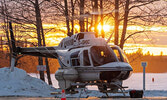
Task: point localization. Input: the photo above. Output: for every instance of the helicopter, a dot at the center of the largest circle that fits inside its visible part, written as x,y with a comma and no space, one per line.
85,60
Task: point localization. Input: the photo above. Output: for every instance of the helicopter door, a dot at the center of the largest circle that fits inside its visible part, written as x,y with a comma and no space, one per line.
86,60
75,60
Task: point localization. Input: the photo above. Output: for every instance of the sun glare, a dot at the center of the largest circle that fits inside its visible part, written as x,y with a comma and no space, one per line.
139,28
155,51
136,28
106,28
76,27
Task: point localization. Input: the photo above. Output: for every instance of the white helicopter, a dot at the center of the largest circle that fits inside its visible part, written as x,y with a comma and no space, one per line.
85,60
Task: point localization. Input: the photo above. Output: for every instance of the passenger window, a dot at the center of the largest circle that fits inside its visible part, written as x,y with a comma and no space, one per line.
86,61
75,61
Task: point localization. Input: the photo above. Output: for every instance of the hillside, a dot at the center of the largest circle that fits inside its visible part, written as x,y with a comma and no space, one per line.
155,64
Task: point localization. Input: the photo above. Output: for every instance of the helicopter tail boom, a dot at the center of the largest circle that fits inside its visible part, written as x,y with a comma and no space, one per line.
38,51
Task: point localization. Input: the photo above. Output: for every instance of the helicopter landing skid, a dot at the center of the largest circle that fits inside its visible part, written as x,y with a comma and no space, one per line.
103,87
108,88
121,88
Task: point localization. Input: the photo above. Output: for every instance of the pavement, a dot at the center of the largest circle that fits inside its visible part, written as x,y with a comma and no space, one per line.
90,98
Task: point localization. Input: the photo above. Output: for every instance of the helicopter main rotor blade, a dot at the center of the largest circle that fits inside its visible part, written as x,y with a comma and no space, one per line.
108,40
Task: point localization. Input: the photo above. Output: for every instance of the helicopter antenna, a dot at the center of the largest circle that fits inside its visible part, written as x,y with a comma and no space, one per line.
110,37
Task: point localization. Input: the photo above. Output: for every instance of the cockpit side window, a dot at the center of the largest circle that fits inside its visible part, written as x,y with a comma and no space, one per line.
117,53
75,61
80,36
124,57
86,60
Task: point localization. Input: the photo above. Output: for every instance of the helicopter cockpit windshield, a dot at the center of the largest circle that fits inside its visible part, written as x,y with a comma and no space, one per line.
102,55
120,54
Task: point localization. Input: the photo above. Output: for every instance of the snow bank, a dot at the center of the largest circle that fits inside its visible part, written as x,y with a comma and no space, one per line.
19,83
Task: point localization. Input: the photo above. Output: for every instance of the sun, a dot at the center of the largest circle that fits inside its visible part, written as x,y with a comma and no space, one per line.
106,28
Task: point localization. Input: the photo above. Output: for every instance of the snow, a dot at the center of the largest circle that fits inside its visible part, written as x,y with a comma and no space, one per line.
135,81
158,88
19,83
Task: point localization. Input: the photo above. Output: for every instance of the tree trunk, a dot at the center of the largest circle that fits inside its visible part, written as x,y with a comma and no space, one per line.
40,60
124,24
72,20
6,21
43,38
1,43
46,59
116,29
101,8
81,20
48,71
67,18
91,23
96,17
7,35
87,23
25,43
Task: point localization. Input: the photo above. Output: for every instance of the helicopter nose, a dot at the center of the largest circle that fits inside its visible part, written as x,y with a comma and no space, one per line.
109,75
112,75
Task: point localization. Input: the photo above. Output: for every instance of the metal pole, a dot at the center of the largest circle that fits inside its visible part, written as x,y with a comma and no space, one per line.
144,78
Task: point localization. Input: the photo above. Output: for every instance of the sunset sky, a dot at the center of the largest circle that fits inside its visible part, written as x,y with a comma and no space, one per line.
154,41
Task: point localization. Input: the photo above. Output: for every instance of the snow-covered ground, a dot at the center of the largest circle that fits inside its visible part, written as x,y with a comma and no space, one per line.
19,83
156,88
135,81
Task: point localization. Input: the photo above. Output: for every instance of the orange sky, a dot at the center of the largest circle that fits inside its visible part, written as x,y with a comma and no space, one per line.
154,42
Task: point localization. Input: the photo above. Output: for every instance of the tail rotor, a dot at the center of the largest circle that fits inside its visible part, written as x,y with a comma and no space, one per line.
14,50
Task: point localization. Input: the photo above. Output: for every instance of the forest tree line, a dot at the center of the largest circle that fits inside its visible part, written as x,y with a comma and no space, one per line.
156,64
